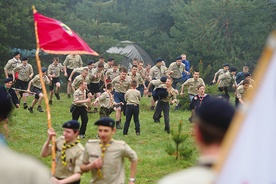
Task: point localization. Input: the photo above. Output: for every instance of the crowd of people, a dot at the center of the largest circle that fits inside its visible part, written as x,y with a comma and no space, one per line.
105,87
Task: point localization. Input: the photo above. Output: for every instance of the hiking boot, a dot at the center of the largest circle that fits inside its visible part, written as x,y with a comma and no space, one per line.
68,96
31,109
50,102
57,96
39,108
25,106
156,121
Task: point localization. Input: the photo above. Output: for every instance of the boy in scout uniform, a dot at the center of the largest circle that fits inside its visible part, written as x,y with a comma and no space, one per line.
106,101
192,84
25,73
71,62
11,64
35,82
241,91
54,70
104,157
134,75
69,153
80,100
132,98
121,85
164,105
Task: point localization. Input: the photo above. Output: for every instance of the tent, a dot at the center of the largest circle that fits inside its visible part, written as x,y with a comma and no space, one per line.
130,50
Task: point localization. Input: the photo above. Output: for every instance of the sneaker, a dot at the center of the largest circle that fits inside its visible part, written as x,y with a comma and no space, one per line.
50,102
82,136
152,108
39,108
118,126
31,110
68,96
57,96
25,106
167,130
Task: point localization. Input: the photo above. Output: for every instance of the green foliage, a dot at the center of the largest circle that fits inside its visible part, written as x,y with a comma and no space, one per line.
181,142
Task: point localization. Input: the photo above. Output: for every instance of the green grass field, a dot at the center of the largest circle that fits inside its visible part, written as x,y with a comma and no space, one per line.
27,133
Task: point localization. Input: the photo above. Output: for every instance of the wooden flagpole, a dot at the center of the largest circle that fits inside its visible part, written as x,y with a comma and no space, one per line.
45,97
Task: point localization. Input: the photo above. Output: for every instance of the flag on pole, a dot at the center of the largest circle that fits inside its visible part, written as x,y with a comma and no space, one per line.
55,37
249,149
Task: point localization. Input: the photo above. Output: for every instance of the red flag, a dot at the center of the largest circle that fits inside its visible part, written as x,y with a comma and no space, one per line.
54,37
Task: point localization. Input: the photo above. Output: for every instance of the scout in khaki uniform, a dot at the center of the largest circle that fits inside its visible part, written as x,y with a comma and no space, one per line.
69,152
54,70
213,119
82,77
175,70
79,110
106,101
192,84
121,85
112,73
241,91
104,157
11,64
134,75
164,105
71,62
132,98
35,82
25,73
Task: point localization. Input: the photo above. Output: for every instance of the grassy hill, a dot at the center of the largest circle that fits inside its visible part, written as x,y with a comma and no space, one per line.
27,133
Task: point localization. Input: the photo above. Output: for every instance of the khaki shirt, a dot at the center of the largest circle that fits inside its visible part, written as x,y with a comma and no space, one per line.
121,86
107,67
110,74
55,69
78,79
156,83
36,81
136,77
80,70
240,92
193,84
97,75
177,70
97,63
113,162
172,95
73,159
11,64
24,71
133,97
106,100
142,72
157,72
79,95
220,72
17,168
225,79
251,82
73,61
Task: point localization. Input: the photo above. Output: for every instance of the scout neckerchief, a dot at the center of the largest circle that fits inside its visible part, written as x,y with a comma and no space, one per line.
111,98
64,147
103,149
201,98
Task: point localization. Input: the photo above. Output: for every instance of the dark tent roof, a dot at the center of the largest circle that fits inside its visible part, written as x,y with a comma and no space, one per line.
130,50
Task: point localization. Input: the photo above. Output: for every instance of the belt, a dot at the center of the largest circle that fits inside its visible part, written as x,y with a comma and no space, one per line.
132,104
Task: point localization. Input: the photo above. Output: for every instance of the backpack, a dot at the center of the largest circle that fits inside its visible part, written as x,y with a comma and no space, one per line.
159,93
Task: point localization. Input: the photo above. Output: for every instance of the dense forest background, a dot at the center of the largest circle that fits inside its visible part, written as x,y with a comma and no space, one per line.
211,31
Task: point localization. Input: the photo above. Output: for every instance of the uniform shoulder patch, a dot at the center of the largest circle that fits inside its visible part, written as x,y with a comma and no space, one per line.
120,142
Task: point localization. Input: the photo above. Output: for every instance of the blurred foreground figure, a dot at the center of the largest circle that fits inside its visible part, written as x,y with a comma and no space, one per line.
16,168
213,119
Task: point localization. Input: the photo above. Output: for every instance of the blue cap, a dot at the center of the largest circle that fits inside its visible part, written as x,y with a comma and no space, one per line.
247,75
216,112
110,59
90,62
163,79
43,69
178,58
226,64
158,60
233,69
72,124
105,121
24,58
7,80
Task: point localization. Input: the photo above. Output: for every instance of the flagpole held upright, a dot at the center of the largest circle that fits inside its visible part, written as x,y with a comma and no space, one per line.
45,97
